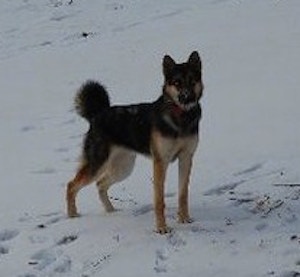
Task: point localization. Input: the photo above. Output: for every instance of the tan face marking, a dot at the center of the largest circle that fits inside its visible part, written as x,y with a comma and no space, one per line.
172,91
198,88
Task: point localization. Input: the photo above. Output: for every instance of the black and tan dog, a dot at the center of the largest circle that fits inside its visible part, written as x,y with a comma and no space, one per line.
165,130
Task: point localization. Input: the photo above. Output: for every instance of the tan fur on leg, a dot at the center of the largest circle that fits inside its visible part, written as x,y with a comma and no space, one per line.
103,186
81,179
159,204
184,169
185,165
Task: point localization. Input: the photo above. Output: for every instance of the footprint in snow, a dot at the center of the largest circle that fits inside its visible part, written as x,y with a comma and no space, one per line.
67,240
8,234
51,260
44,258
50,221
160,264
3,250
63,265
174,243
92,266
224,188
261,226
143,210
45,220
249,170
290,274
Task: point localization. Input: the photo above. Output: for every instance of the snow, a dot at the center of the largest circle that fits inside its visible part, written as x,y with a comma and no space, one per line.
244,189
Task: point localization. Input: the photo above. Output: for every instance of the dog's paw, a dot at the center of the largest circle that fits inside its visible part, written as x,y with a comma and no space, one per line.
162,230
185,219
111,209
73,214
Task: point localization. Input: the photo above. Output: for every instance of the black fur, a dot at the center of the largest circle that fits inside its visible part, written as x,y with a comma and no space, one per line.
90,99
166,130
131,126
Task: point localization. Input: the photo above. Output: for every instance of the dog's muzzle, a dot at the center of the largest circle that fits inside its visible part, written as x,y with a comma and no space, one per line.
186,97
186,100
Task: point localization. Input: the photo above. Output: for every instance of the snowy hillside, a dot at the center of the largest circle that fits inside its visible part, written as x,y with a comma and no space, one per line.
245,188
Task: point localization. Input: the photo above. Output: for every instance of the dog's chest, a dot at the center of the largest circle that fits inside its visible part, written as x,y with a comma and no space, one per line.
169,149
176,147
178,124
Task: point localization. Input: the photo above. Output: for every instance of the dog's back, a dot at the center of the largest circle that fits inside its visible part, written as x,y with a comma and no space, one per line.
131,125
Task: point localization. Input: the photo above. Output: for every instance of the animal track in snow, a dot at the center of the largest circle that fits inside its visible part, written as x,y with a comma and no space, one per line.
95,265
67,240
49,222
290,274
242,177
44,258
3,250
143,210
63,265
174,243
50,260
8,234
223,189
161,256
249,170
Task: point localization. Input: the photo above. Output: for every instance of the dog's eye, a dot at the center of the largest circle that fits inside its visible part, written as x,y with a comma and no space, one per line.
176,83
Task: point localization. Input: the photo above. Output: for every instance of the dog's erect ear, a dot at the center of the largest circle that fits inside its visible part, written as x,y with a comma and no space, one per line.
194,60
168,65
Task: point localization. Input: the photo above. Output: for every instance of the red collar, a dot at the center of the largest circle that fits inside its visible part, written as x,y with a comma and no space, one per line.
176,110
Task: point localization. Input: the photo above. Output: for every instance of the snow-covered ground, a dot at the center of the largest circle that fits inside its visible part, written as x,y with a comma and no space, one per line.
245,192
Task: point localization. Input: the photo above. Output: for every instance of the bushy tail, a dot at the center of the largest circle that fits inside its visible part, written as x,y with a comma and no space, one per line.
91,99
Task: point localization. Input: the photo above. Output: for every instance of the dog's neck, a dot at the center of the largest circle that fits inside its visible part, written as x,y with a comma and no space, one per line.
173,120
175,108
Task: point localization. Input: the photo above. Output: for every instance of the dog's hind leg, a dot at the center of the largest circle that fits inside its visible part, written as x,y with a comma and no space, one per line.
103,185
119,165
82,178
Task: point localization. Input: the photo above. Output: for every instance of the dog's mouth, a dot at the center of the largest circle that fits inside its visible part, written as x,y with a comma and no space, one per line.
181,101
178,108
186,101
186,106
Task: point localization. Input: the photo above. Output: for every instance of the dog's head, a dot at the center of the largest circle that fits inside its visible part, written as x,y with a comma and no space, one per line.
183,81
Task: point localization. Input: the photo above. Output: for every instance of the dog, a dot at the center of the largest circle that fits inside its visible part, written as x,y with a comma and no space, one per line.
165,130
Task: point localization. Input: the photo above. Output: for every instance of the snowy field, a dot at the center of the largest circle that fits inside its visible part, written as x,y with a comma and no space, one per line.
245,187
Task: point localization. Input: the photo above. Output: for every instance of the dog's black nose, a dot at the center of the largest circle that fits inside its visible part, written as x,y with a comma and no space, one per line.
186,97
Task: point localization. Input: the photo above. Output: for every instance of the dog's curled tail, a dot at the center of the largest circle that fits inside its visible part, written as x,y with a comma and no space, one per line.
91,99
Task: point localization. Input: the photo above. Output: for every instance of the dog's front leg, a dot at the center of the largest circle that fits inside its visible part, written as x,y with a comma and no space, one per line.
160,168
185,166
